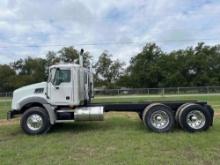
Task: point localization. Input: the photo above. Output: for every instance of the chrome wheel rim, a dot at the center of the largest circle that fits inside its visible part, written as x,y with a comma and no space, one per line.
160,119
34,122
196,119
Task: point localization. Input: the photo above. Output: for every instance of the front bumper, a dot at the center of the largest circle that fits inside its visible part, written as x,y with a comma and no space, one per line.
11,114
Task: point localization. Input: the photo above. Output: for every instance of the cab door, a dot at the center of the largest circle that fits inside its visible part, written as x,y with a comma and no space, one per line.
61,87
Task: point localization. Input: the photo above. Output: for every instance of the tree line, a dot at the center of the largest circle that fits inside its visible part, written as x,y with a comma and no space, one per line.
150,68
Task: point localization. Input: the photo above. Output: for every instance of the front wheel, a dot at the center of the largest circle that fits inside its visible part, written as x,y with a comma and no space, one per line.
35,121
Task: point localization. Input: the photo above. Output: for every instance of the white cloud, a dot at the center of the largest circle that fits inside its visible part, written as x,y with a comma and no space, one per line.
70,22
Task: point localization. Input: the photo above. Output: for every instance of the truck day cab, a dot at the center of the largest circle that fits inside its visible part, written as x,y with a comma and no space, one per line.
66,97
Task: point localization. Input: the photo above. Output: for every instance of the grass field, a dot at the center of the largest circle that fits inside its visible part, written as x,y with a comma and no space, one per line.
120,139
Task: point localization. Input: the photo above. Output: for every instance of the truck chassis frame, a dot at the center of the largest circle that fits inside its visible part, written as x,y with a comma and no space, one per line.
159,116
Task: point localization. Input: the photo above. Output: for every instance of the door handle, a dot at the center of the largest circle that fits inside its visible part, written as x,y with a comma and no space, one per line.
57,87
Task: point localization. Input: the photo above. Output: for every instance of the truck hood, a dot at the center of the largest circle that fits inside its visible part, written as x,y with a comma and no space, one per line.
22,93
31,87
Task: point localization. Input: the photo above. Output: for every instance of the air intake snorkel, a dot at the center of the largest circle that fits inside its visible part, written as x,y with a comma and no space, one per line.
81,57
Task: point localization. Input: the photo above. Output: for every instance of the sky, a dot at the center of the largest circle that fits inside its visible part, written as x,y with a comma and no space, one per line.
122,27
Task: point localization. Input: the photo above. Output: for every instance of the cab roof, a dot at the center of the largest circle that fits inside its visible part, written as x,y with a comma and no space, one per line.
69,65
66,65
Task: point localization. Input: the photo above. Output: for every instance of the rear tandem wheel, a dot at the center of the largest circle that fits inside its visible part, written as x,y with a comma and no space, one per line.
194,118
158,118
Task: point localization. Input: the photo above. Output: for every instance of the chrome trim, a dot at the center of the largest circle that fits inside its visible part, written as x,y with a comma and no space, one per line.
34,122
64,121
195,119
159,119
65,110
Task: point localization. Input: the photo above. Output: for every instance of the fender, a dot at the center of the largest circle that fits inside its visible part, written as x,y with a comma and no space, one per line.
44,103
33,99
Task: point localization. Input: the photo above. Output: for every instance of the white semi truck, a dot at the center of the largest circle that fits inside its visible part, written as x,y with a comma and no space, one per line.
66,97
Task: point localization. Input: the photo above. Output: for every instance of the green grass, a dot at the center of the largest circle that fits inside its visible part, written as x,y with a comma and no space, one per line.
120,139
5,105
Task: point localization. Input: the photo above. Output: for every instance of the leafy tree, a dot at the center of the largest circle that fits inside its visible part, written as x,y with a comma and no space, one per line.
7,75
87,57
30,70
71,55
52,58
17,65
193,66
34,67
107,70
68,54
144,70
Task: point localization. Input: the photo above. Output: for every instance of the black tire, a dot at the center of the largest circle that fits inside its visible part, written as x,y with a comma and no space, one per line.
178,112
184,118
153,109
45,126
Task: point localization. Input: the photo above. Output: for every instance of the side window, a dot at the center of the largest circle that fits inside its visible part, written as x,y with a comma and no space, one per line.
61,76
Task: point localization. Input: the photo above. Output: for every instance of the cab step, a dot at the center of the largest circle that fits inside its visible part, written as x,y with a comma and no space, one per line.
64,121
